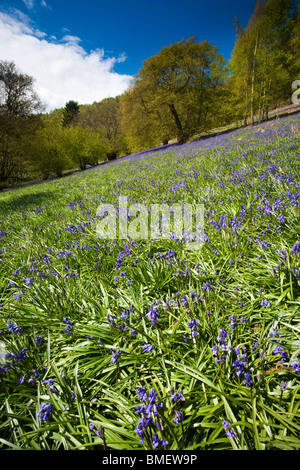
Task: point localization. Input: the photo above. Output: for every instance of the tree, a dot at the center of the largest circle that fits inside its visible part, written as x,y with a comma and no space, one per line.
47,150
294,44
84,146
103,117
70,113
143,125
18,117
177,90
261,63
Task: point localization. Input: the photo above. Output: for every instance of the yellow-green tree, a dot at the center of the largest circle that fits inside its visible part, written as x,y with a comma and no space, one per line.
176,92
262,59
84,146
46,151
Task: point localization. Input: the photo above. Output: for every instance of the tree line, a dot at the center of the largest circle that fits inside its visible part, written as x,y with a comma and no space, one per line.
185,89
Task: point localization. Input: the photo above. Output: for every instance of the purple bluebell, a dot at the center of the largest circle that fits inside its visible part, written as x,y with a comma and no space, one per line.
178,418
21,355
153,315
69,327
177,396
296,367
148,347
14,328
248,379
115,356
283,385
39,339
22,379
45,411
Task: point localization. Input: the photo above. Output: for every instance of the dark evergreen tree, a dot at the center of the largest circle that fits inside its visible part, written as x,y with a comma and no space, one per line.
70,113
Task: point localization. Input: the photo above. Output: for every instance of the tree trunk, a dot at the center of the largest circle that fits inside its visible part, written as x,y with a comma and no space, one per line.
181,136
252,81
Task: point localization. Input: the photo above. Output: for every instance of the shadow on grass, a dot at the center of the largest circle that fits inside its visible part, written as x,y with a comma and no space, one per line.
30,201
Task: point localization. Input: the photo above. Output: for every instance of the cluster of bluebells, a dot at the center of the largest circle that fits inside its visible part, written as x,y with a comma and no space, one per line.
296,248
115,356
121,322
192,325
220,350
45,411
14,328
69,328
148,348
230,432
12,358
177,397
279,350
153,315
149,417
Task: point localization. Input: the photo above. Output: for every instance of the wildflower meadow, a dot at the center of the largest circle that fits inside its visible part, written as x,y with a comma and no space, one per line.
142,344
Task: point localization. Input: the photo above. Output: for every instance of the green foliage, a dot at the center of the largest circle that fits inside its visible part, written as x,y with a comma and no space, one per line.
175,93
84,146
262,66
75,308
18,103
47,151
104,117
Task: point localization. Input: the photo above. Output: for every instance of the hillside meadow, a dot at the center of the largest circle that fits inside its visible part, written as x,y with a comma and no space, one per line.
144,344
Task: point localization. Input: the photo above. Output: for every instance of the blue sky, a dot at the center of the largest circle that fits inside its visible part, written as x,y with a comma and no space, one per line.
56,41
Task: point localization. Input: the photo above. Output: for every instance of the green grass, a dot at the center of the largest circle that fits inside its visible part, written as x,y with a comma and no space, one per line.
248,182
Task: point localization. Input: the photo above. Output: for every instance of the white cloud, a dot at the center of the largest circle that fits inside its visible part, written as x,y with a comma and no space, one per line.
29,4
62,70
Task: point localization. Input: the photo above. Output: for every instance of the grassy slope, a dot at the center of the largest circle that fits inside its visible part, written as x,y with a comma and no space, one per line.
89,300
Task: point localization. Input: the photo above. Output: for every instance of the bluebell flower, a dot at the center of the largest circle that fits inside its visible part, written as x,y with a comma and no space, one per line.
177,396
283,385
156,441
152,395
240,366
148,347
21,355
28,280
248,379
281,351
296,248
22,379
141,391
296,367
178,418
230,432
225,424
69,327
233,324
142,426
14,328
39,339
153,314
193,326
115,356
45,411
